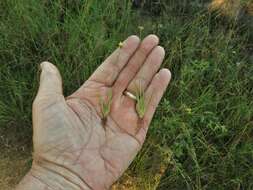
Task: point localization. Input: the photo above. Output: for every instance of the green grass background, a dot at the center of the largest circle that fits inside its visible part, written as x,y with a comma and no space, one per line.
202,133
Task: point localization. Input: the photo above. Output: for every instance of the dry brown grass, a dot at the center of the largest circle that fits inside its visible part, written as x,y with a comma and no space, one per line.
15,158
13,166
230,8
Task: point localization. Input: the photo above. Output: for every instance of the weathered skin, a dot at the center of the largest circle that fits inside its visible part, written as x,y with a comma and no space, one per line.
73,148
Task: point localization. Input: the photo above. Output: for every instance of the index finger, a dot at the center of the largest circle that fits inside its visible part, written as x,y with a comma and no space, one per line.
108,71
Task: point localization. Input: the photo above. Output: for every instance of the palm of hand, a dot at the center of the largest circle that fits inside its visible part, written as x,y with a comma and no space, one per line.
71,133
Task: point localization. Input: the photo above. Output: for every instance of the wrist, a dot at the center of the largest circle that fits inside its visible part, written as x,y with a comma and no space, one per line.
44,175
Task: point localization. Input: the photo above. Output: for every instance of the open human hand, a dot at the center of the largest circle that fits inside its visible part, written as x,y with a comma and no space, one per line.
71,136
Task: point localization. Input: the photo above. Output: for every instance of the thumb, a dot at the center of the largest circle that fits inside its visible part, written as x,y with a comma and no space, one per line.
50,81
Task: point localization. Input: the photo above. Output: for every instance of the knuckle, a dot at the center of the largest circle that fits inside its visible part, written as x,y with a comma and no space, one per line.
143,51
132,68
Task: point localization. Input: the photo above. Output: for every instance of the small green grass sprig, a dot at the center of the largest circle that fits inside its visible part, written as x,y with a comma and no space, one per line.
141,28
140,106
140,102
106,106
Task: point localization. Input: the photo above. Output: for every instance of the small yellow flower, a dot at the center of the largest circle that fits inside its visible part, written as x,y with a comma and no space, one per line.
120,44
188,110
140,28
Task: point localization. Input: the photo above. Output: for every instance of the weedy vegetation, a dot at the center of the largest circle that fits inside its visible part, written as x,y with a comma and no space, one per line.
202,134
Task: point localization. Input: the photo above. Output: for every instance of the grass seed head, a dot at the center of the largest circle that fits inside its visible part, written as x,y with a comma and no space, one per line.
140,102
106,105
